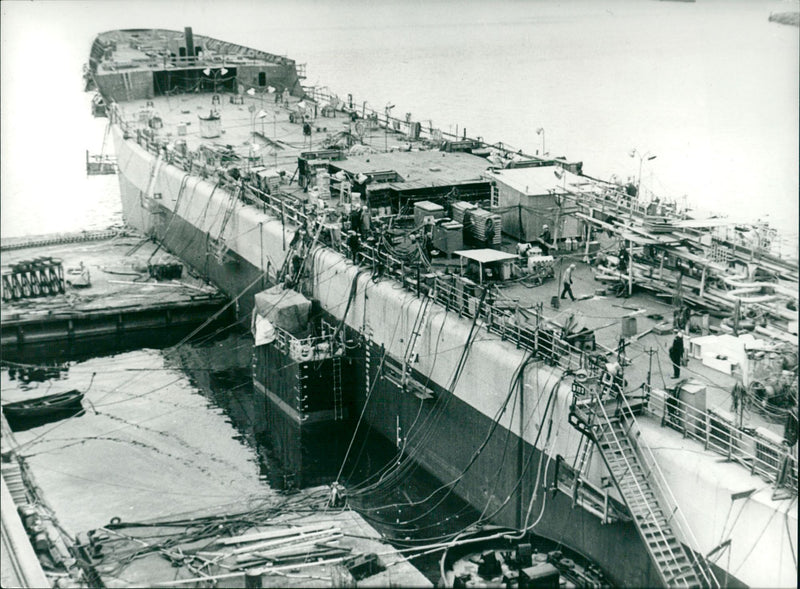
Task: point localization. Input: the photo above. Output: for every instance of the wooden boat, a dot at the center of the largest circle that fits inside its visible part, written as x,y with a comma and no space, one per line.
501,557
44,406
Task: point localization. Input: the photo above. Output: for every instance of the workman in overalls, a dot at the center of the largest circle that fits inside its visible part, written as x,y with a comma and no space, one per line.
545,239
676,354
623,259
354,243
568,282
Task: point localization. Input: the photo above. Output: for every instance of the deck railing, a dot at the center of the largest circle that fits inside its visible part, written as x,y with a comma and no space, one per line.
762,453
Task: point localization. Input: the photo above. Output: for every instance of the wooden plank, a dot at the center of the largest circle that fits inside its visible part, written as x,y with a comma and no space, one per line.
274,534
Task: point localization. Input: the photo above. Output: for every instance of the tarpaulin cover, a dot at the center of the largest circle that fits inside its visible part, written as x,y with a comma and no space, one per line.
284,308
262,330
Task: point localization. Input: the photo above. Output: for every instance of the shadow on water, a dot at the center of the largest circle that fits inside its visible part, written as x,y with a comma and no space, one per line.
400,500
403,502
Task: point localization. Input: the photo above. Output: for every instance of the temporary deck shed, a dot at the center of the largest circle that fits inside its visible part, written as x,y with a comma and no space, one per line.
400,177
488,258
528,198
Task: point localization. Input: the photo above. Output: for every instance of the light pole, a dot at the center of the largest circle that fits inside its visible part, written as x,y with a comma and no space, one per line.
217,73
388,108
540,131
642,157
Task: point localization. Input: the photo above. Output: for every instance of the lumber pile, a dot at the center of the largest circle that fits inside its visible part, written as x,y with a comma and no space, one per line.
279,547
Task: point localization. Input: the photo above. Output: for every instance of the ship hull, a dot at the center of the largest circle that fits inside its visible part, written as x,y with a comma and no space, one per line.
432,441
470,431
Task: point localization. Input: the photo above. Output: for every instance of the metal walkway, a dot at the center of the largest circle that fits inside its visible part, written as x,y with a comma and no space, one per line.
612,427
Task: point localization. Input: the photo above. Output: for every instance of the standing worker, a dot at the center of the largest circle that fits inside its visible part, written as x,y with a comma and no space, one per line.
623,258
545,239
676,354
568,282
354,242
286,96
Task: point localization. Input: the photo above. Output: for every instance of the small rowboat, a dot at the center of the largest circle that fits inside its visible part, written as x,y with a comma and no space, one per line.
44,406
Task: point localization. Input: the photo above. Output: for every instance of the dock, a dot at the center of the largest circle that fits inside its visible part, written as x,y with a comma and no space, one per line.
68,288
23,520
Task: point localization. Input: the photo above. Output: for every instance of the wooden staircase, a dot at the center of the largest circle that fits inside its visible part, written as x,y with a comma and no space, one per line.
643,489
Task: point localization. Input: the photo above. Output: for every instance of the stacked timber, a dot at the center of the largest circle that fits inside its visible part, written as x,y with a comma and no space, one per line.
280,547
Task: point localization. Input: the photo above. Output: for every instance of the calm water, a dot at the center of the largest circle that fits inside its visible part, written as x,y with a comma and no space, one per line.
180,430
711,88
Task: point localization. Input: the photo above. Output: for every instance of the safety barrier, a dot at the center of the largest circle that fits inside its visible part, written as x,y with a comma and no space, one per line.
758,452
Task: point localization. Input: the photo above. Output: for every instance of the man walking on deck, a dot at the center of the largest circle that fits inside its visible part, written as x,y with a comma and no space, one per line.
676,354
568,282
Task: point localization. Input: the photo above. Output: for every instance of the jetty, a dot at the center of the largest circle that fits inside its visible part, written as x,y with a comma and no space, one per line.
69,288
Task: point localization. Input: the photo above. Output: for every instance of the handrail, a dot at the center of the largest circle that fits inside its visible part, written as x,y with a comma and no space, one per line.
698,424
657,476
651,515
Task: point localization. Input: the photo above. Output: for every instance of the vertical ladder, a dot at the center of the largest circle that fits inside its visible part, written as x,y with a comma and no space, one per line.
411,348
338,411
222,248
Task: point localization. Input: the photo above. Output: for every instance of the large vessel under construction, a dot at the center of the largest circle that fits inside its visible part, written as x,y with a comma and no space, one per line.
403,278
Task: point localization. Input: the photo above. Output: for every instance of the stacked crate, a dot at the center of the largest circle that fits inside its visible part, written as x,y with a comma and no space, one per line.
460,208
481,223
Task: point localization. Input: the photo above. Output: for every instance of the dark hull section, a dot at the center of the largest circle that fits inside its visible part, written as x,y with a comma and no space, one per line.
303,389
303,455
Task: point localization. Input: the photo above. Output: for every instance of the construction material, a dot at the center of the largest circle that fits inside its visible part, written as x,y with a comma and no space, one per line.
273,534
42,276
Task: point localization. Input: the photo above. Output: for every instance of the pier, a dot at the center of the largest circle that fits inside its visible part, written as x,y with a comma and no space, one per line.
67,289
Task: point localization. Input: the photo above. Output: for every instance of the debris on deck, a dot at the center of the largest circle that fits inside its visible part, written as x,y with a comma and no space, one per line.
294,541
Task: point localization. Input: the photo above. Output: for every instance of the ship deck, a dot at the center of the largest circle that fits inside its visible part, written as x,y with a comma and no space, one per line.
273,141
259,130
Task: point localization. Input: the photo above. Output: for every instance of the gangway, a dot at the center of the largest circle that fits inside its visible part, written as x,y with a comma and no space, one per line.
611,425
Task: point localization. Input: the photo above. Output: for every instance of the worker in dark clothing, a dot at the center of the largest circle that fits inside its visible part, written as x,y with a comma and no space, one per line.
357,220
568,282
545,239
354,243
623,259
676,354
